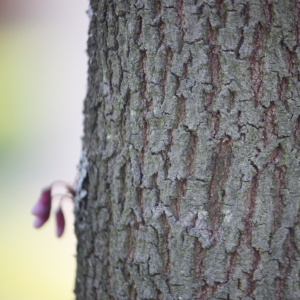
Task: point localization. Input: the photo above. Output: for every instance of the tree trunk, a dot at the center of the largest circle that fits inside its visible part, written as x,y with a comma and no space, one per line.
189,177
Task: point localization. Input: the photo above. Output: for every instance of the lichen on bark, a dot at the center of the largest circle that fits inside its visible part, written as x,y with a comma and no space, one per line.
192,122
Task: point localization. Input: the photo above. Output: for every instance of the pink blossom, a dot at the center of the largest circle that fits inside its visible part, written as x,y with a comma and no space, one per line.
60,222
42,209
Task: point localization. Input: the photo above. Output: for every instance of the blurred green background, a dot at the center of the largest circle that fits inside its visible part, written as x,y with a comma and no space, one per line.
42,87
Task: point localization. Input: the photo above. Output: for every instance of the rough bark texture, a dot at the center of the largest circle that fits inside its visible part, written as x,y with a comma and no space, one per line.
189,179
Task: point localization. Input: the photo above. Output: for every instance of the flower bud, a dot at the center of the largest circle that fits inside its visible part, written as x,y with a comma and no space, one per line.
39,222
42,208
60,222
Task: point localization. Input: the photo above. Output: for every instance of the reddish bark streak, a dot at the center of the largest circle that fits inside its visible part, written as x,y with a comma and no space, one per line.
248,216
219,177
291,249
177,83
290,56
158,8
232,259
176,208
268,11
156,188
143,73
279,286
141,204
232,100
255,263
282,86
140,29
207,291
269,125
132,242
249,213
297,19
159,295
256,67
250,208
199,254
279,176
122,196
216,124
215,70
167,65
167,250
181,110
180,13
192,148
246,13
166,158
215,67
149,105
170,139
296,133
208,99
219,5
181,193
275,156
146,142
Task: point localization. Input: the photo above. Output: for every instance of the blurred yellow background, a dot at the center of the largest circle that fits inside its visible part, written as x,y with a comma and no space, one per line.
42,87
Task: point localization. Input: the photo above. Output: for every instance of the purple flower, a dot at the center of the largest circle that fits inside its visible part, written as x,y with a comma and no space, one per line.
60,222
42,209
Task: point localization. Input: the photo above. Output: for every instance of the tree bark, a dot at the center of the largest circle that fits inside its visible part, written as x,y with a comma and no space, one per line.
189,179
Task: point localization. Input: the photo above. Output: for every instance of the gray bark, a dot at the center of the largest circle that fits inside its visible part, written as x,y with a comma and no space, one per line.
189,178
